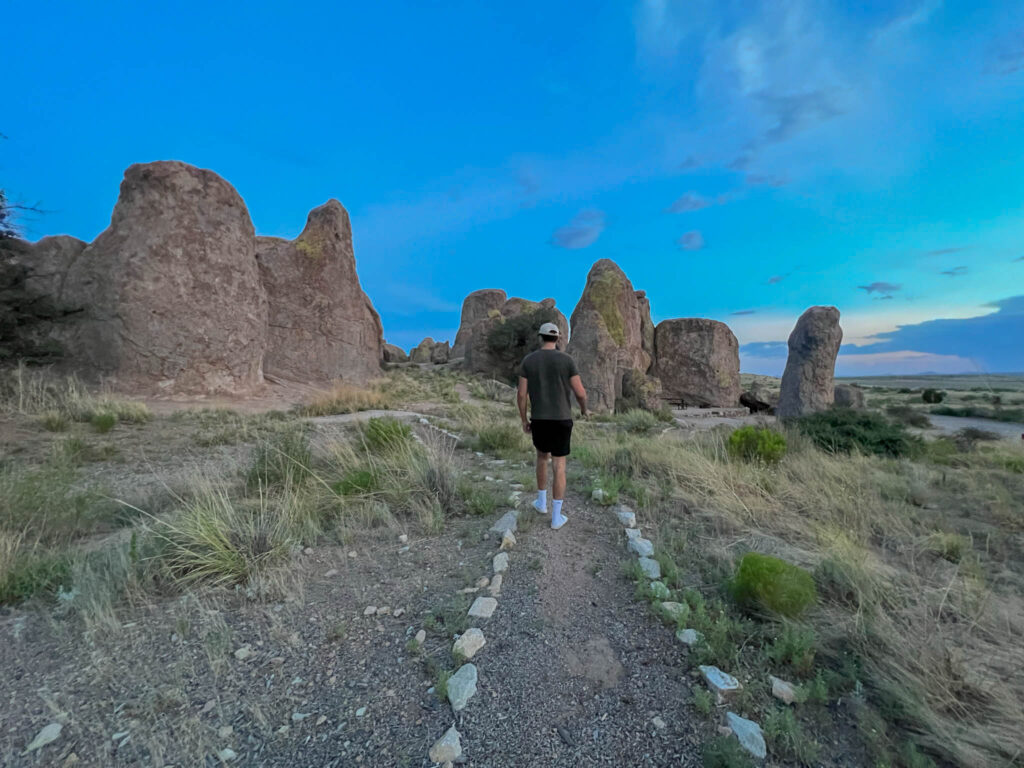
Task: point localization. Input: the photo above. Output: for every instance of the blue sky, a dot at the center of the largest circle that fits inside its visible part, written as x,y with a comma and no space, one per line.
740,160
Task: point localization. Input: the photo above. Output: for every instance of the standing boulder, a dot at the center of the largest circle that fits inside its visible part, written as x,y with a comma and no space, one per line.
322,325
608,333
492,342
847,396
808,381
174,293
440,353
477,307
698,362
421,352
394,354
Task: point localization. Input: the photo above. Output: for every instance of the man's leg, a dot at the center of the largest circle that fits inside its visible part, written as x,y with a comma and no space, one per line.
541,502
558,491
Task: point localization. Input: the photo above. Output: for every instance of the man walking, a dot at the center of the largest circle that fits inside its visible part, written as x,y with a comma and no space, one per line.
549,377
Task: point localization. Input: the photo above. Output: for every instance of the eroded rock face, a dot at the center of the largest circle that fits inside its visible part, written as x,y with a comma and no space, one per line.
430,351
394,354
513,322
808,381
476,307
698,362
322,325
608,329
175,300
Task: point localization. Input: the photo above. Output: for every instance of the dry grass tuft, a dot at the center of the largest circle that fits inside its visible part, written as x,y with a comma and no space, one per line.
345,398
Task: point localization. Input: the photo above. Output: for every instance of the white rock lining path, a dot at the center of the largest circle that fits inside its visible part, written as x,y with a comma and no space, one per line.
462,684
749,733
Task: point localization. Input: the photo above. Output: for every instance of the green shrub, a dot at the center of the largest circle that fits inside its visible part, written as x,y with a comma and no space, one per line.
757,444
283,459
911,417
386,434
103,421
725,752
787,738
501,437
357,482
794,646
980,412
766,582
33,574
844,430
639,421
933,395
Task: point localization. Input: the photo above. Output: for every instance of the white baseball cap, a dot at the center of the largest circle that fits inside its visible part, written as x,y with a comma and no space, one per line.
550,329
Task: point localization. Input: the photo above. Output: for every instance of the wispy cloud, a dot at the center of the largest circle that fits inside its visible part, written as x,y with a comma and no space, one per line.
905,22
405,299
691,241
955,271
880,287
1007,55
691,201
945,251
744,312
581,232
690,162
776,279
1019,258
766,179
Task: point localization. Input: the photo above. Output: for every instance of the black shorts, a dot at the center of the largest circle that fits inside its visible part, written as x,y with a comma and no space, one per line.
551,436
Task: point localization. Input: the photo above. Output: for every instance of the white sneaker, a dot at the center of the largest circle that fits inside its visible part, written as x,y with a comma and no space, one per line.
542,510
557,521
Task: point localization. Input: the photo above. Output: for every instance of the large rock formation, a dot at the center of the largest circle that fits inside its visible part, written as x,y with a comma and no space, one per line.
476,309
394,354
321,325
698,362
430,351
848,396
170,292
808,381
608,333
497,332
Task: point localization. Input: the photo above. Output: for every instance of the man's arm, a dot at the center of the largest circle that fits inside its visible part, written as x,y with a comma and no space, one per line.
581,394
521,402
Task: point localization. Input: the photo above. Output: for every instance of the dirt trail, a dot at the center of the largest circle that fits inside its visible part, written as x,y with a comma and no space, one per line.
575,669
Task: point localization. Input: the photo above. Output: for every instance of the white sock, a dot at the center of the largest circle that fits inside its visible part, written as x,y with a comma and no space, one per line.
542,498
556,507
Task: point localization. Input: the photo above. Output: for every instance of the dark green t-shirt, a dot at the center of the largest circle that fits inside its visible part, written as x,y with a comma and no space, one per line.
547,373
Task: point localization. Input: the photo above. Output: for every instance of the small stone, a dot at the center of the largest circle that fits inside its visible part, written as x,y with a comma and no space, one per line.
384,610
277,661
462,686
468,591
675,610
483,607
482,582
626,516
447,748
508,540
749,734
660,591
298,717
370,610
243,653
46,735
598,495
421,636
718,681
659,723
650,568
495,588
689,636
208,706
121,734
330,573
361,711
283,730
489,479
513,499
471,641
506,522
353,554
227,754
632,533
223,732
399,613
641,547
321,720
782,690
500,563
307,551
403,539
